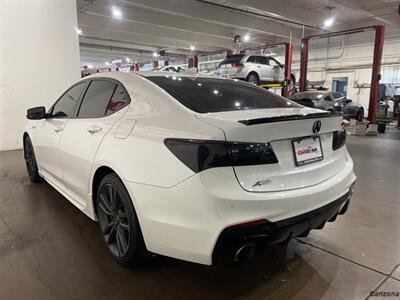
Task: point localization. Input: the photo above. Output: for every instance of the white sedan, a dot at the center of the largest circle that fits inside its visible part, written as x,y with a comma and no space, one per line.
198,168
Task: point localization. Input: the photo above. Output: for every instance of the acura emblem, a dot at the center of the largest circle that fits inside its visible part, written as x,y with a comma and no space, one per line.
316,127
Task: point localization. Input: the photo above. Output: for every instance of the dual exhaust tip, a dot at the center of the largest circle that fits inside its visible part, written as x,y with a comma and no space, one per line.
245,253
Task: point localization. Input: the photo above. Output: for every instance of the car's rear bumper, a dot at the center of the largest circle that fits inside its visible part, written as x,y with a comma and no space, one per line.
185,221
263,235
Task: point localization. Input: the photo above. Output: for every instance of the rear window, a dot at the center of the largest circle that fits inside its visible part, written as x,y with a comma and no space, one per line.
232,59
204,95
311,96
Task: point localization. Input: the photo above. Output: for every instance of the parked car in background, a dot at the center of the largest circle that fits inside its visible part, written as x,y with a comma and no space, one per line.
331,101
253,68
176,69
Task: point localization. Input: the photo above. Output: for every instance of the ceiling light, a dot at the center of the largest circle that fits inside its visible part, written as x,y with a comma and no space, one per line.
192,48
107,63
116,12
127,59
78,31
155,54
90,66
246,38
329,22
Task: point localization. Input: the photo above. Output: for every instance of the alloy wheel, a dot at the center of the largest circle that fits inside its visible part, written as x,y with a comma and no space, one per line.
114,222
29,158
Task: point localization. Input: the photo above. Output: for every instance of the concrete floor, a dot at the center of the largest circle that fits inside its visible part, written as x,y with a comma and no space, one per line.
50,250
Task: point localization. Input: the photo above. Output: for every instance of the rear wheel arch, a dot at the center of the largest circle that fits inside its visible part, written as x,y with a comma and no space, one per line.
100,173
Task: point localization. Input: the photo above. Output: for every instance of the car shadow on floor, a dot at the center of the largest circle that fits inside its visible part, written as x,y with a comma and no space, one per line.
52,250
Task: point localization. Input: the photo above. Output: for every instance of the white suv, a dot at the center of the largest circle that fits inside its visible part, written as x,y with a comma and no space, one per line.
253,68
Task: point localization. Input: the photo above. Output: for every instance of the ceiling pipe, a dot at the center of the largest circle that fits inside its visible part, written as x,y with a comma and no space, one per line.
263,15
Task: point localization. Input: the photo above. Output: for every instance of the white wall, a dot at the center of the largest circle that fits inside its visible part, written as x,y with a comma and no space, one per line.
39,59
353,61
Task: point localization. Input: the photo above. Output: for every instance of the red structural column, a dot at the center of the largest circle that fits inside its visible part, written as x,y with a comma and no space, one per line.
229,52
288,68
166,62
376,69
155,64
190,62
303,65
132,67
137,67
195,61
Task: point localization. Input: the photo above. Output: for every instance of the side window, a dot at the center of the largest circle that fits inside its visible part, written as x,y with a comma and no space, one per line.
66,105
96,101
328,98
118,100
252,59
264,60
273,62
337,95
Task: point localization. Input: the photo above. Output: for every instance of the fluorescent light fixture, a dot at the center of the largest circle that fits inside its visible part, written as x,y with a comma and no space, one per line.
127,59
192,48
155,54
246,38
116,12
78,31
329,22
107,63
90,66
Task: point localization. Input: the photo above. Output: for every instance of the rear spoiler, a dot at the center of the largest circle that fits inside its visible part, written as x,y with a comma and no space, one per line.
291,118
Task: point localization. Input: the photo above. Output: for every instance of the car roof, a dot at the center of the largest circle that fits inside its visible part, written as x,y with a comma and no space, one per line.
314,92
124,75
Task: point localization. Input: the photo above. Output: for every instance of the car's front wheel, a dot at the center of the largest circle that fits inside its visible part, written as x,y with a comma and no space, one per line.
118,222
30,161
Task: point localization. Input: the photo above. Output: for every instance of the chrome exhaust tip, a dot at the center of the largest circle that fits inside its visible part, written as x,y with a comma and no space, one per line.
245,253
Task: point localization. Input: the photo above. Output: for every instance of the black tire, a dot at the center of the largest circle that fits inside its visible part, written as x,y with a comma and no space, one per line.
360,115
118,222
30,160
253,79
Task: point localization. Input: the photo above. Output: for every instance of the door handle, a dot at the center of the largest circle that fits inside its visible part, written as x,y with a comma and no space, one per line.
58,129
94,129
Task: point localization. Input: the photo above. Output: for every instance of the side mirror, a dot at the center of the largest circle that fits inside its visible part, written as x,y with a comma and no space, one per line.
36,113
348,100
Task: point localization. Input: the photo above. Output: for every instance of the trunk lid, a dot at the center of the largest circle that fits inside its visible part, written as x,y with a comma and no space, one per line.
280,127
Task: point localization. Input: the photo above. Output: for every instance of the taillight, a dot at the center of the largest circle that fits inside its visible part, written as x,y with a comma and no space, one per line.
245,154
199,155
339,139
237,65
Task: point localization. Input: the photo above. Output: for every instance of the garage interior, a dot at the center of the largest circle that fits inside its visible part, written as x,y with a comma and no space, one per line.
50,250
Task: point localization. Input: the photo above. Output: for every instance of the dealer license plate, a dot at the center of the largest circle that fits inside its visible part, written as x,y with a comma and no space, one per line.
307,150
